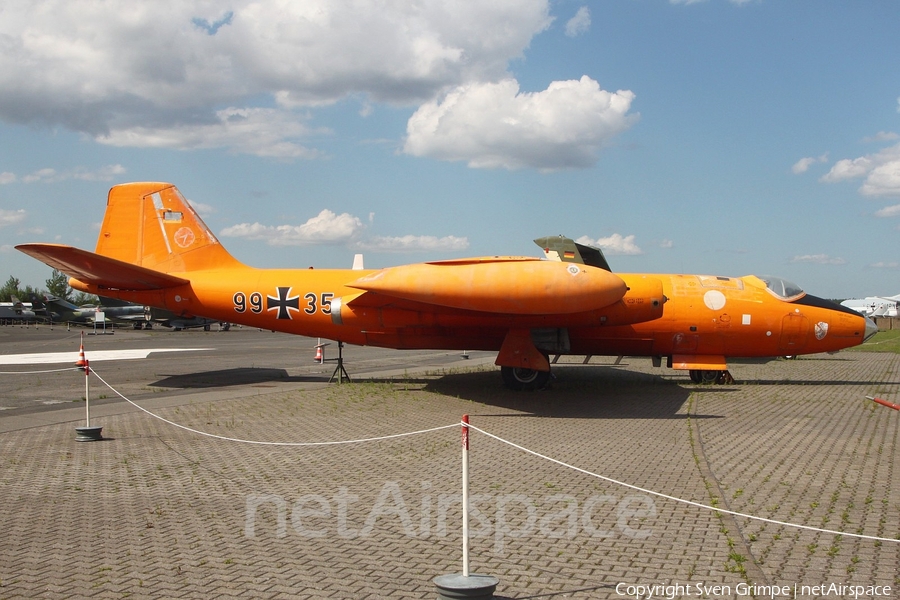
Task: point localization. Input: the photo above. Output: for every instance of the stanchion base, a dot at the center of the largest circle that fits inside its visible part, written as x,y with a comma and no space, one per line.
454,587
88,434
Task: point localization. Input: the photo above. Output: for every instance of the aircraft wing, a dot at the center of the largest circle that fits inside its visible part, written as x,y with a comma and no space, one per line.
95,269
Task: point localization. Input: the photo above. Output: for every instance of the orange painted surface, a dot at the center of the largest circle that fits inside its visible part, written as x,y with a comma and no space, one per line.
522,286
155,250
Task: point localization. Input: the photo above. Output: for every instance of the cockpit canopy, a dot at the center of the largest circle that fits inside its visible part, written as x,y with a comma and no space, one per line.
782,288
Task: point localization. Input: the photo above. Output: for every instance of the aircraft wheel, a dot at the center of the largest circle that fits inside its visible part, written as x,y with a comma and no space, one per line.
517,378
709,376
206,328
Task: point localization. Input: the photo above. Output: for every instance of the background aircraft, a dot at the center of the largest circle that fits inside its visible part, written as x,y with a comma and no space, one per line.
155,250
63,311
875,306
20,312
150,315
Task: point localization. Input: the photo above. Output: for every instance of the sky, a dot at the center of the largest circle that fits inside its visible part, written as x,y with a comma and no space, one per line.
715,137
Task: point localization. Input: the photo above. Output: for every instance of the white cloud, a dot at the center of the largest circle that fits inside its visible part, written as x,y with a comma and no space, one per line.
414,243
325,228
667,244
614,244
885,265
883,180
7,177
888,211
493,125
48,175
818,259
848,169
257,131
202,209
157,73
802,165
880,170
881,136
11,217
580,23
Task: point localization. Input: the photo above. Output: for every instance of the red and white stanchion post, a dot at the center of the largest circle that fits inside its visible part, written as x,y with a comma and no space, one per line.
86,433
884,402
87,392
465,495
457,586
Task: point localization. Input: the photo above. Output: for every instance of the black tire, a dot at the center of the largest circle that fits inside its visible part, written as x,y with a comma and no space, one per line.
695,376
708,377
516,378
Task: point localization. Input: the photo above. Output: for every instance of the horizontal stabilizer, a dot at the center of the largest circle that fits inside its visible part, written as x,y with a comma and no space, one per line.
101,271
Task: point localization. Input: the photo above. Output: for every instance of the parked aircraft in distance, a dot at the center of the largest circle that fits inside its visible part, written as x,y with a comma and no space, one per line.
19,312
63,311
155,250
150,315
875,306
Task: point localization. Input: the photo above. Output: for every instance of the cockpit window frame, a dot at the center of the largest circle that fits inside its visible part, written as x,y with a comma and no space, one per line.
787,290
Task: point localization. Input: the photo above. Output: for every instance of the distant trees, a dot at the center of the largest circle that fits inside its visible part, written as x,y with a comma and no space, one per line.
11,288
57,285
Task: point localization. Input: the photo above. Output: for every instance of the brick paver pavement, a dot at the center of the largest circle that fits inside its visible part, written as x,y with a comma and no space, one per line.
159,512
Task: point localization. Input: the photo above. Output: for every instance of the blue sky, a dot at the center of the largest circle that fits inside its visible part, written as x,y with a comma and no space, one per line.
714,137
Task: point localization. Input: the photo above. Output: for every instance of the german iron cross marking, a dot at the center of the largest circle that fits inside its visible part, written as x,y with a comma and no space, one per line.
283,303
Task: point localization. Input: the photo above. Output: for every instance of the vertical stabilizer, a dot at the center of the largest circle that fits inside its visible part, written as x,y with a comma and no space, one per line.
151,225
561,248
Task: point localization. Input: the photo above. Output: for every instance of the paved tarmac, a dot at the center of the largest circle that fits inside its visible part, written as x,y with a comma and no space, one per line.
158,511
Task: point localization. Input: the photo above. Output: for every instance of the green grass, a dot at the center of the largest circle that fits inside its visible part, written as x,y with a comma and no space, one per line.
883,341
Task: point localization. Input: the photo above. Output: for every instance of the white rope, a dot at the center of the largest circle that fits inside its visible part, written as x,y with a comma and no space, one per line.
37,372
683,501
260,443
514,445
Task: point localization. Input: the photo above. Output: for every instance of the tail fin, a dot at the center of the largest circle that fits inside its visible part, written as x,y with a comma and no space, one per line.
565,249
151,225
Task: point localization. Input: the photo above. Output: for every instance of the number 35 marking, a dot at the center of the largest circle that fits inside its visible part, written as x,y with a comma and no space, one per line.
324,304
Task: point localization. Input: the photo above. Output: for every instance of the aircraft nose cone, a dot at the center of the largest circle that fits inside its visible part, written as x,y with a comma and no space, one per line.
871,328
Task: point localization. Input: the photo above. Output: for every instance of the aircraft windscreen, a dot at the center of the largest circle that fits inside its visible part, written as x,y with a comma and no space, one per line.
782,288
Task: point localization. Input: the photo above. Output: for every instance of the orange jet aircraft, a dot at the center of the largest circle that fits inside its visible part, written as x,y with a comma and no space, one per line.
154,250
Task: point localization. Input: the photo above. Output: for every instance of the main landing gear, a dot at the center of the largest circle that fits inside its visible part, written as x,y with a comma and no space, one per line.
710,377
517,378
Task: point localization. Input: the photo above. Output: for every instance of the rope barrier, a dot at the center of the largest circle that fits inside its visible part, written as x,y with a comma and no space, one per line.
509,443
261,443
38,372
681,500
